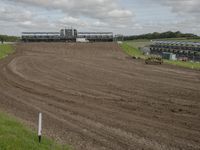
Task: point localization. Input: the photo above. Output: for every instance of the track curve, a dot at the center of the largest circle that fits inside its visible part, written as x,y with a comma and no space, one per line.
94,97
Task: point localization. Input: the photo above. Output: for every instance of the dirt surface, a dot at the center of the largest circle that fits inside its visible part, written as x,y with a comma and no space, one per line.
94,97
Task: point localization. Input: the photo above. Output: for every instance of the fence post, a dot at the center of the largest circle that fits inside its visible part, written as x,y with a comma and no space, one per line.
40,127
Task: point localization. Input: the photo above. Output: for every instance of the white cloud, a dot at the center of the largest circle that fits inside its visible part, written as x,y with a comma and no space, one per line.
96,9
72,21
100,24
104,15
184,7
11,14
120,13
84,13
27,23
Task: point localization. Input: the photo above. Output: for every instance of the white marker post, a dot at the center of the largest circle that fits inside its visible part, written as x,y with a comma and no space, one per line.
40,127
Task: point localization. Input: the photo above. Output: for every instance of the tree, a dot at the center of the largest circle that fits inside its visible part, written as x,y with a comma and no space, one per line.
7,38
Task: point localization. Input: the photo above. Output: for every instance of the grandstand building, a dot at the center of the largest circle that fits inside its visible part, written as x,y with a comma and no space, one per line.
189,50
66,35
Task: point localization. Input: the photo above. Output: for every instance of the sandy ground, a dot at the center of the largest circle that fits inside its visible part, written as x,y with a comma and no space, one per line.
94,97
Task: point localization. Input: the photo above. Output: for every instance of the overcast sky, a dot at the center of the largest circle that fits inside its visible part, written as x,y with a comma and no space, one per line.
127,17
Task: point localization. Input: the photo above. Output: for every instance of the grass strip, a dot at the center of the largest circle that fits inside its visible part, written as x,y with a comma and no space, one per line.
15,136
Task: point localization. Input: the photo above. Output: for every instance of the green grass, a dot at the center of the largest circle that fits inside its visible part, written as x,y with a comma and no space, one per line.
138,43
5,50
132,51
15,136
191,65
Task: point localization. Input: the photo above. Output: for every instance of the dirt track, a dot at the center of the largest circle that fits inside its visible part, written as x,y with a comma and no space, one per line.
93,96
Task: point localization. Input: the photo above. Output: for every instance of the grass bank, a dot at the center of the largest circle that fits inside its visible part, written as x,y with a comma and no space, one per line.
5,50
132,48
15,136
138,43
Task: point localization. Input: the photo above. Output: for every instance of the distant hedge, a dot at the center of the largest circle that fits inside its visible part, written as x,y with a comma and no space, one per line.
6,38
156,35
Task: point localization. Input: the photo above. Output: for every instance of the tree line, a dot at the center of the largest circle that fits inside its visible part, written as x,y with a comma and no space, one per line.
156,35
7,38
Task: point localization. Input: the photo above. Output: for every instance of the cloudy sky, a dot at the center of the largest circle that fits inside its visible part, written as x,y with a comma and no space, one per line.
127,17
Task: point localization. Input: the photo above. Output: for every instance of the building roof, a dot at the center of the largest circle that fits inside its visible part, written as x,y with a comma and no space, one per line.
177,43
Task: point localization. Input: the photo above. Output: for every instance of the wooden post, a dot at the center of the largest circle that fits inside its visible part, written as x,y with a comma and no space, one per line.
40,127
